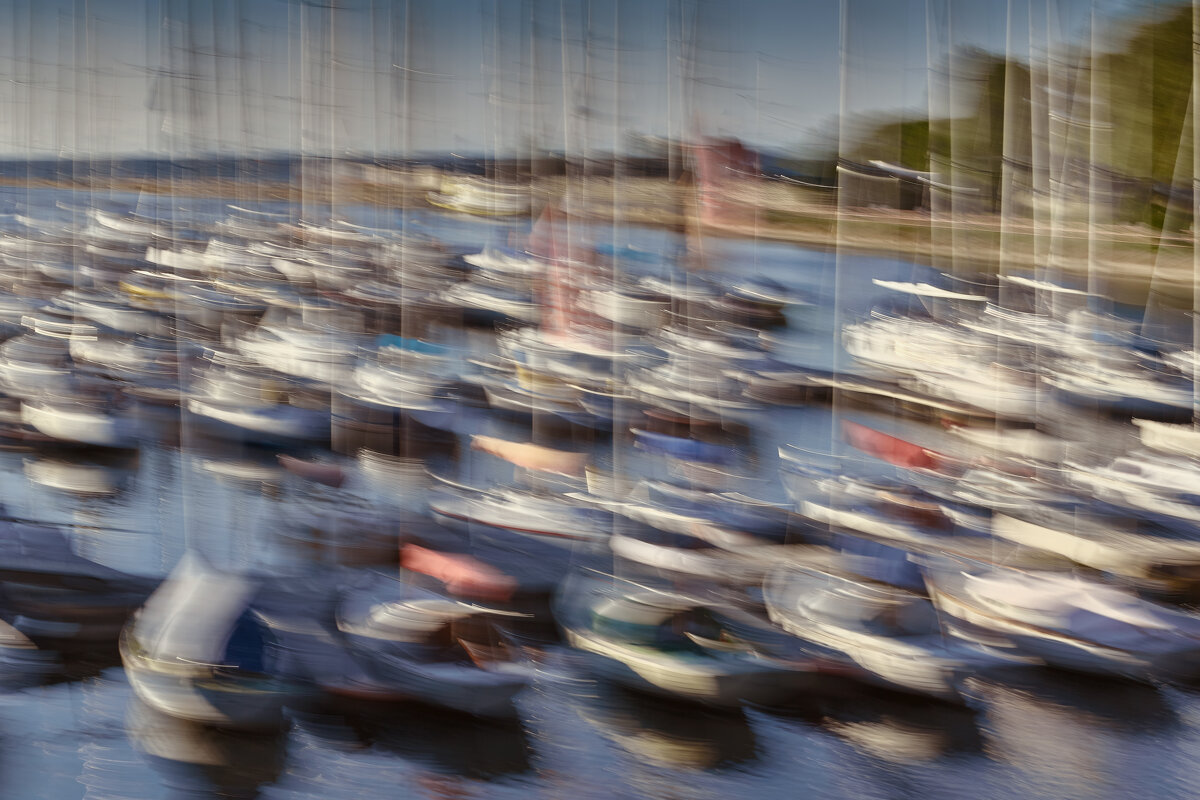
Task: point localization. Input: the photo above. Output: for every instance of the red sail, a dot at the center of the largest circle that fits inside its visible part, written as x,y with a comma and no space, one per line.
889,448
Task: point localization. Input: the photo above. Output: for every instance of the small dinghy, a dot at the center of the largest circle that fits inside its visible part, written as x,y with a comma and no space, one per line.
675,646
428,647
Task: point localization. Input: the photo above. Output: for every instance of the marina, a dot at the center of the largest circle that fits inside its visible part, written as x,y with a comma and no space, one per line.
471,400
503,581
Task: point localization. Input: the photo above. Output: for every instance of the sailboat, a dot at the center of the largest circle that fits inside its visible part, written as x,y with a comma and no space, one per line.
199,651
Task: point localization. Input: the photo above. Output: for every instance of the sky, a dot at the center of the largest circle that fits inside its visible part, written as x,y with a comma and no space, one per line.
83,78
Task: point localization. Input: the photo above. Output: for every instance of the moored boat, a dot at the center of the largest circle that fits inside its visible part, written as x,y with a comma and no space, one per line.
198,651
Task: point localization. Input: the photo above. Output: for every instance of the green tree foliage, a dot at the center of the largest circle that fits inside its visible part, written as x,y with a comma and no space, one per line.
1134,88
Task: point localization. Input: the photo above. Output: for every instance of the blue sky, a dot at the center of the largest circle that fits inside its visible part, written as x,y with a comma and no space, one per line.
93,77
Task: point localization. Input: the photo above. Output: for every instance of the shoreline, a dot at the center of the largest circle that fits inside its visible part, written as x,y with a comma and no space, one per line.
1132,264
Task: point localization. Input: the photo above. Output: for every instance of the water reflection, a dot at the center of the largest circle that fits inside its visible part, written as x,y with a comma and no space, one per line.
902,730
1071,736
85,475
657,732
197,760
1089,700
429,739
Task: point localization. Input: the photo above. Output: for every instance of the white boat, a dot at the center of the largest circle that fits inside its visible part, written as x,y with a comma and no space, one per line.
869,522
404,481
186,260
892,346
128,225
143,359
113,312
236,398
69,476
997,390
92,423
400,386
1069,623
928,290
687,345
323,356
687,385
484,199
626,309
272,421
1158,484
506,262
197,651
524,515
511,396
1186,361
890,633
474,296
1026,443
1124,387
1173,439
34,364
743,566
671,645
427,647
1152,562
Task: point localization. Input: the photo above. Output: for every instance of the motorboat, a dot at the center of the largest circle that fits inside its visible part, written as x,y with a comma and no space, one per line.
1121,383
506,262
58,599
626,308
729,509
684,448
88,478
34,364
522,517
995,389
890,346
399,481
112,311
493,302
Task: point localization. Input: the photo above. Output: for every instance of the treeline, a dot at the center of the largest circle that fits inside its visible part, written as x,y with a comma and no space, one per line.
1109,126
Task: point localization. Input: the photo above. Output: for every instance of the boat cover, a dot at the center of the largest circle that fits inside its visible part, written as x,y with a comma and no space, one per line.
1086,610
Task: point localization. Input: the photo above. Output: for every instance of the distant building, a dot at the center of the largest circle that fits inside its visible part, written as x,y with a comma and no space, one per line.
726,173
